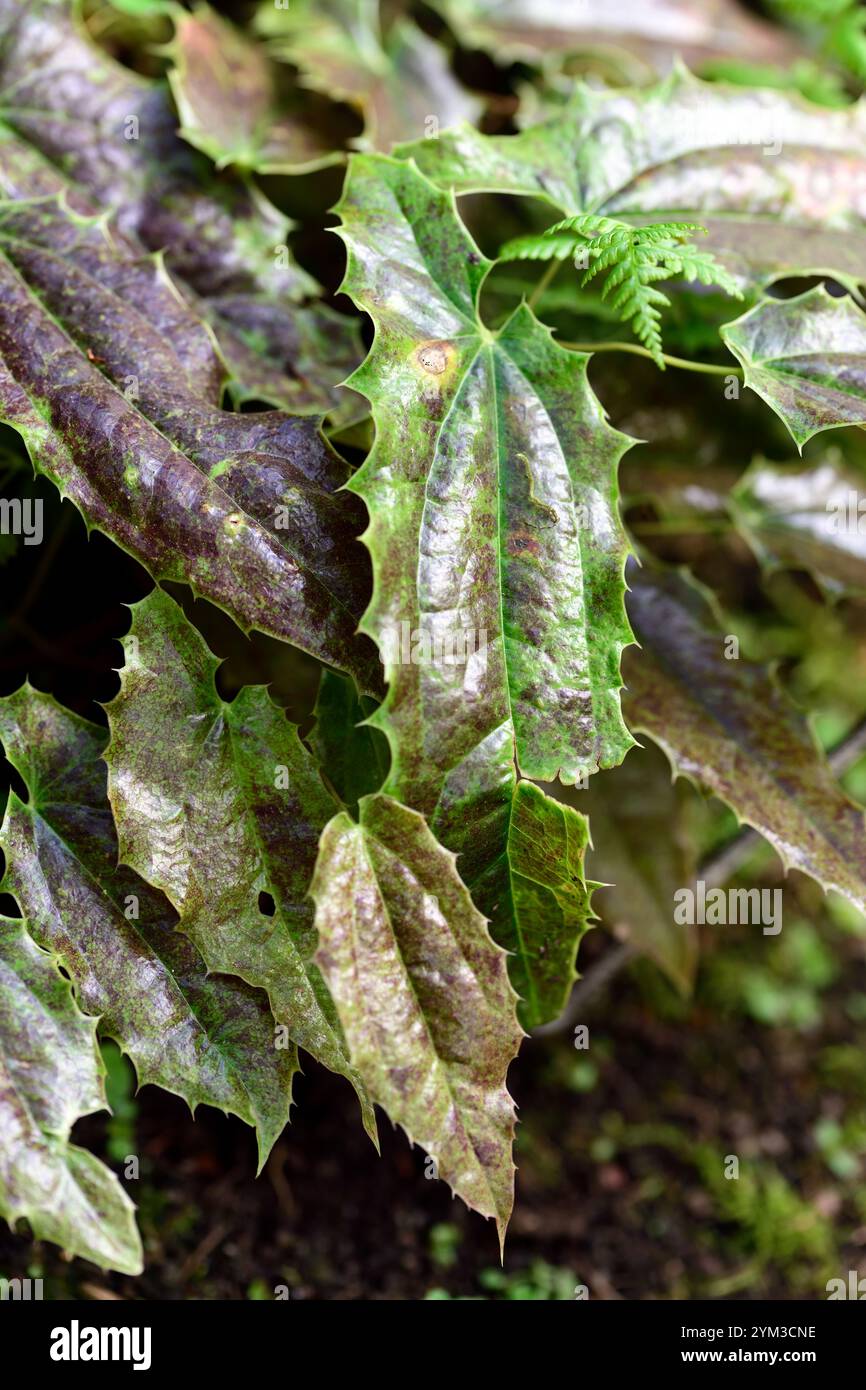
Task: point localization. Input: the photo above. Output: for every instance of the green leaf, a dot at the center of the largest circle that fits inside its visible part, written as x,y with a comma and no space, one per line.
534,895
492,496
492,464
220,806
401,82
50,1075
641,854
806,357
633,260
423,995
228,99
740,162
808,516
107,136
207,1038
521,855
113,384
726,725
351,755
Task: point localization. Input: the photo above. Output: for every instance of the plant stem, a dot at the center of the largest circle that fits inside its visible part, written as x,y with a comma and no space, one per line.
542,284
683,362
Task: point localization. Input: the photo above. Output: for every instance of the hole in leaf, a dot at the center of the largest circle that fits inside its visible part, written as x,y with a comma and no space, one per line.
267,906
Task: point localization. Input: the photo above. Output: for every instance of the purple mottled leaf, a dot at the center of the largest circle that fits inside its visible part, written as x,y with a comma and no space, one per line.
109,138
423,995
109,379
725,724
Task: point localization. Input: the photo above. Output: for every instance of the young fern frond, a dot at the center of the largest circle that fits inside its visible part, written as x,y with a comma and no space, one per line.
634,258
539,248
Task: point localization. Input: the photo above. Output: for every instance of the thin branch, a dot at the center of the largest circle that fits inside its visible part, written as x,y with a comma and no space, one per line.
543,282
685,363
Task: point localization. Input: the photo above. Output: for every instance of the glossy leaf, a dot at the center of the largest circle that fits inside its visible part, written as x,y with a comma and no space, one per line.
114,387
726,725
497,549
206,1038
518,467
806,357
401,82
220,806
76,120
423,995
535,896
726,156
50,1075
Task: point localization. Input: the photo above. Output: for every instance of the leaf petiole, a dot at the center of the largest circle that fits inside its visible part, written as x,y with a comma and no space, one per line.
683,362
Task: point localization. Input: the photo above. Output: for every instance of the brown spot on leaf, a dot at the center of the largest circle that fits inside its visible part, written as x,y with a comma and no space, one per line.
434,357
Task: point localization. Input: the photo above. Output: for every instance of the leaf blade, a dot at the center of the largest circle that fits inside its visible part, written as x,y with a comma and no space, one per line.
217,805
423,995
207,1039
50,1074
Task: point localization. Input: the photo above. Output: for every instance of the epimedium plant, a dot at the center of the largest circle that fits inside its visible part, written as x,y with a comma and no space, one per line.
399,887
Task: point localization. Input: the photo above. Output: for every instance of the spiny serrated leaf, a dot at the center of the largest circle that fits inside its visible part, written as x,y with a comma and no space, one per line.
492,496
641,854
532,891
50,1074
228,99
400,81
808,516
422,993
109,379
493,501
108,137
209,1039
806,357
732,158
218,804
725,724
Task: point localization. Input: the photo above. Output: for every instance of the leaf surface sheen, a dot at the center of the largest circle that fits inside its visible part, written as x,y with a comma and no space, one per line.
493,504
423,995
493,498
50,1075
114,386
807,516
207,1038
744,163
72,108
217,805
806,357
